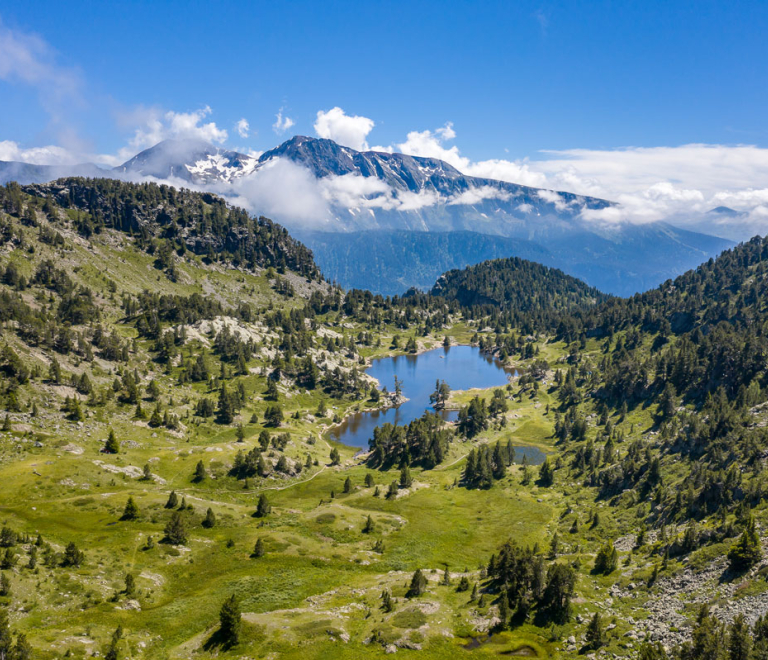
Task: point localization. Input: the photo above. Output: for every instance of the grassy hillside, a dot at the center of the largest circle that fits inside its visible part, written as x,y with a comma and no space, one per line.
164,448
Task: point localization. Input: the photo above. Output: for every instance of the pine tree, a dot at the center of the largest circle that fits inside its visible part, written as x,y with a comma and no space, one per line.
473,596
264,440
607,559
5,585
546,473
369,526
740,640
418,584
22,650
112,446
176,530
258,549
595,634
200,473
112,652
173,500
405,477
156,419
225,409
271,393
147,473
499,462
73,556
131,511
230,622
130,585
335,456
446,581
264,508
347,485
503,609
746,552
387,604
369,482
210,519
273,415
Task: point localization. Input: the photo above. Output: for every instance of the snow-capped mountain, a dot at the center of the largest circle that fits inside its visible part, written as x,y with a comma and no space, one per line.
411,203
189,160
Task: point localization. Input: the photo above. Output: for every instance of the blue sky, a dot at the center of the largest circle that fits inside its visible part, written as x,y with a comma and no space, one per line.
600,98
521,76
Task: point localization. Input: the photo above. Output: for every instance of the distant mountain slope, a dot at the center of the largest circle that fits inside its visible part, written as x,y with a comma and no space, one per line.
28,173
390,262
391,192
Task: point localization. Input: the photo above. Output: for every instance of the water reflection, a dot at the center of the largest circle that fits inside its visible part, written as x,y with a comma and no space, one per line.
462,367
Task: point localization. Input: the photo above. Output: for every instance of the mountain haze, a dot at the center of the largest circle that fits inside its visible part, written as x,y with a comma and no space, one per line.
385,215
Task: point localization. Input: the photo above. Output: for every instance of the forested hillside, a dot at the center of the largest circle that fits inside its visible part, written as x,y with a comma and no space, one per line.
167,220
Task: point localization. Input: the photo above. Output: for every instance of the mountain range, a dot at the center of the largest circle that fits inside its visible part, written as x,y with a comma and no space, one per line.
389,217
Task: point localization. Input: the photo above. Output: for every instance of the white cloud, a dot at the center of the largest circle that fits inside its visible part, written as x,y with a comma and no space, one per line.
27,59
282,190
242,127
349,131
151,125
282,124
48,155
480,194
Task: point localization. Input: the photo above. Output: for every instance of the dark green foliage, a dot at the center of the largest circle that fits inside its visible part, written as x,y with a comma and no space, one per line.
176,530
112,446
523,575
747,551
258,549
264,508
556,600
424,441
516,284
230,622
607,559
200,473
131,511
418,584
173,500
73,556
473,418
273,415
210,519
595,635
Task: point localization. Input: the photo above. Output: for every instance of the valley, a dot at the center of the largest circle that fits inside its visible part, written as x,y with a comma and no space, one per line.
176,374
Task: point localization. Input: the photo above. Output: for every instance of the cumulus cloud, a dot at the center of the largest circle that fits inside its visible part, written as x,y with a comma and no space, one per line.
242,127
349,131
151,125
282,124
431,144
